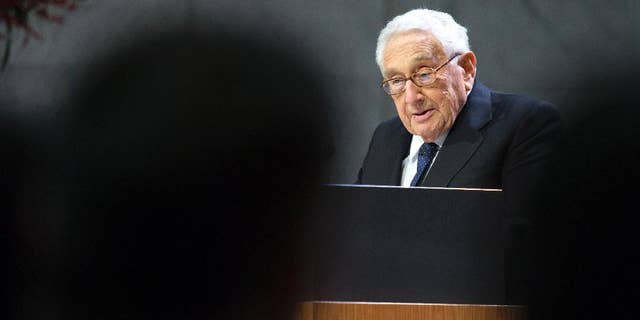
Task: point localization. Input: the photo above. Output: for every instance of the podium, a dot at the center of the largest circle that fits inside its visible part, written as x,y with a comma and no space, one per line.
328,310
407,253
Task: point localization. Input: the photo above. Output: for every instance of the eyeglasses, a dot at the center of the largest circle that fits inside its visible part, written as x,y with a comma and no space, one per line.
423,77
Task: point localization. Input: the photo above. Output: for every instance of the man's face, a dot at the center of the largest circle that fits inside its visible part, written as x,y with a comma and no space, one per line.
431,110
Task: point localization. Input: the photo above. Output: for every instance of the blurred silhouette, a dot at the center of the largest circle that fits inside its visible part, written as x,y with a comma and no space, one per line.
176,182
15,141
586,228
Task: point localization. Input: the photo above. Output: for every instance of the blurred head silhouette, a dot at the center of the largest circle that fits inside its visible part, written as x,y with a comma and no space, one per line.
185,164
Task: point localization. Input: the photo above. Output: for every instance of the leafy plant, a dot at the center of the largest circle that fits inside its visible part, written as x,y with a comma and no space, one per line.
18,14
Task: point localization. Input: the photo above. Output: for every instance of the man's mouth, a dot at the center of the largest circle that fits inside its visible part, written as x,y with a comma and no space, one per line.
422,115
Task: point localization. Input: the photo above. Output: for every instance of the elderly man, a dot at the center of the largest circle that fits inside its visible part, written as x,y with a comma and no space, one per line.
451,131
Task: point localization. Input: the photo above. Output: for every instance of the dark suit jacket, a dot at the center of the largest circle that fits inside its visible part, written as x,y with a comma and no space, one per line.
497,140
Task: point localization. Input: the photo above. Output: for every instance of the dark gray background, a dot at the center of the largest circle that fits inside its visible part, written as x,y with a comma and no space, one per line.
539,48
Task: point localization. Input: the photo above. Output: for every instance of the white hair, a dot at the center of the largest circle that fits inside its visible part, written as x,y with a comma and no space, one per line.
453,36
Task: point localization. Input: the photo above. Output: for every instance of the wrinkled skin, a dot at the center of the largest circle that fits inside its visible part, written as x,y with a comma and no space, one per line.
428,111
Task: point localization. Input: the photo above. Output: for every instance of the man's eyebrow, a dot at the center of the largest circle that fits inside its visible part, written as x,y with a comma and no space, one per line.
423,57
390,72
419,59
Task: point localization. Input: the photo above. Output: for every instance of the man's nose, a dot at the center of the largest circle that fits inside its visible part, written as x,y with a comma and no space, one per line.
412,93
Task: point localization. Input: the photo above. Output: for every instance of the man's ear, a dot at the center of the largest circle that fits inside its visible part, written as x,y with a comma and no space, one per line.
467,62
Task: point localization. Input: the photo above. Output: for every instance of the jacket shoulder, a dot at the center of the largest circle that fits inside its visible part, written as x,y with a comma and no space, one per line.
521,103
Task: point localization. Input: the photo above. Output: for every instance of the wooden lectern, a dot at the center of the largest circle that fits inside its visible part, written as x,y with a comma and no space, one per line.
334,310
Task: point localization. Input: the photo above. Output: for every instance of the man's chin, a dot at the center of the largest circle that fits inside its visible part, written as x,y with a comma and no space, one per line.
429,136
429,139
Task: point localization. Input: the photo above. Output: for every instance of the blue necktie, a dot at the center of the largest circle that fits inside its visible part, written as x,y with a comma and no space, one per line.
425,155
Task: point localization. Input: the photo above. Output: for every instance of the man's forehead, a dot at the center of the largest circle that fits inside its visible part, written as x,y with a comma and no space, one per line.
410,47
415,36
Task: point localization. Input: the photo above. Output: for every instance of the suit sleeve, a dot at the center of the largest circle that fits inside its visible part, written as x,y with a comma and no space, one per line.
532,147
527,165
364,162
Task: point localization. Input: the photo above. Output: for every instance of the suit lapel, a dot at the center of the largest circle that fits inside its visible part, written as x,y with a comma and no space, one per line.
401,151
463,140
